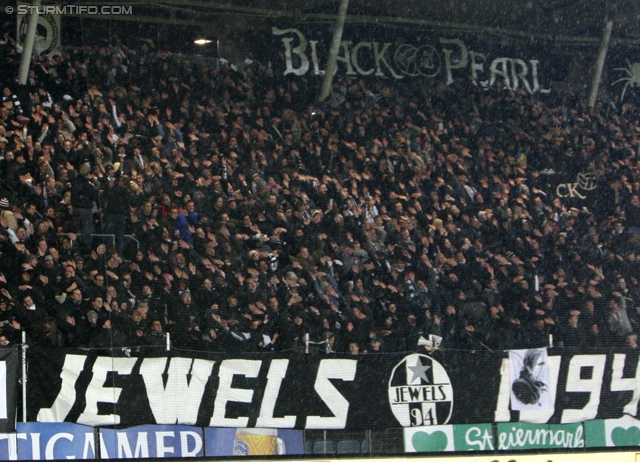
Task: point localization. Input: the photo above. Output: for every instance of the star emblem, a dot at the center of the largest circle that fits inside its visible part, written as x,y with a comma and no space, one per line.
419,372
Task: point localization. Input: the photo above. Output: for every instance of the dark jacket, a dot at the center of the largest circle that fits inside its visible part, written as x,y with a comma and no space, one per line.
83,193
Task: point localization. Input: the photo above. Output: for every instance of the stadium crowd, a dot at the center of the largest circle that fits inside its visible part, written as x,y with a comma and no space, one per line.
239,214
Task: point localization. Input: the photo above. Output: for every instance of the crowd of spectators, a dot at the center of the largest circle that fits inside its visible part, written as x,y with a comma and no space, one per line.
242,215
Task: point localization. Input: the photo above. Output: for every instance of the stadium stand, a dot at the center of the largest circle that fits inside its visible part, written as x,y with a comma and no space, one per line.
146,194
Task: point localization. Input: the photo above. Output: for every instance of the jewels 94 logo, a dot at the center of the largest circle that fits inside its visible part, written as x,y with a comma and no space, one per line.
420,392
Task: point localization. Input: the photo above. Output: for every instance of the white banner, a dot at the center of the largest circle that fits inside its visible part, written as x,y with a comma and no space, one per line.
48,33
529,370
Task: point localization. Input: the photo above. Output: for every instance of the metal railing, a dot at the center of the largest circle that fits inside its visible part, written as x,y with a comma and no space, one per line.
112,237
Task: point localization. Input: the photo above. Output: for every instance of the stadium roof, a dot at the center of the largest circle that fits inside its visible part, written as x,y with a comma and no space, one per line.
566,22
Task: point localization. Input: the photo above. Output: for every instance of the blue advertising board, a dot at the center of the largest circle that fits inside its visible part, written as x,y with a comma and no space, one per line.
45,441
51,441
151,441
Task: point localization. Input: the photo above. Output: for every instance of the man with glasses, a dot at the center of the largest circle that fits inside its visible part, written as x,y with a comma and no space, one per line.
97,288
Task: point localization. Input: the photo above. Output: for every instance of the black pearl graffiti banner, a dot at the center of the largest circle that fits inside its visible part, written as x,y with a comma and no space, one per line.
375,51
427,56
390,53
328,391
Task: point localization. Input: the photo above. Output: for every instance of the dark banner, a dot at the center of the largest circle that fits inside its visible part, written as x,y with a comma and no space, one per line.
375,51
575,189
8,389
332,392
388,53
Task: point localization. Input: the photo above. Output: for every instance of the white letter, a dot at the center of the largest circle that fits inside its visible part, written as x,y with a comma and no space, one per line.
591,386
166,409
104,454
299,51
573,191
464,57
88,445
124,448
564,192
161,449
502,413
379,57
470,442
35,444
522,75
346,58
354,58
477,65
314,57
534,74
12,445
631,384
98,392
343,369
48,453
502,63
277,371
225,393
73,365
184,441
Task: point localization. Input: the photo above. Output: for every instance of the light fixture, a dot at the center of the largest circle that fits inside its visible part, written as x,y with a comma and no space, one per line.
202,41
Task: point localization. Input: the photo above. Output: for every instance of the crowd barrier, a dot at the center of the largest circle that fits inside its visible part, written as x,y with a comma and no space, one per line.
56,441
173,404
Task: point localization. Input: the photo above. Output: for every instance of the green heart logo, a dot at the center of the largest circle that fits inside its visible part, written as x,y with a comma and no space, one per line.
629,437
425,442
